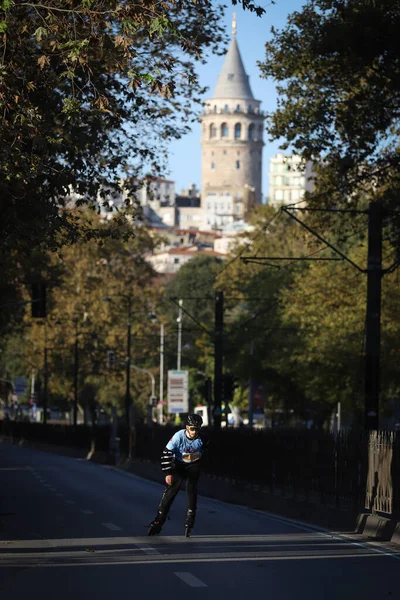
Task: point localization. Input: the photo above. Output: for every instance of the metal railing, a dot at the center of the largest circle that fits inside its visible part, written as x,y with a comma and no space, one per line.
354,471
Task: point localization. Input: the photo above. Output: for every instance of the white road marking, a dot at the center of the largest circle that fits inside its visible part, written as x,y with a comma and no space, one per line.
69,502
87,512
147,549
191,580
320,531
112,526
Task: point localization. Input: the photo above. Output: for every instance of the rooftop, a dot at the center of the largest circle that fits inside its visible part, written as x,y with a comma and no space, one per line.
233,82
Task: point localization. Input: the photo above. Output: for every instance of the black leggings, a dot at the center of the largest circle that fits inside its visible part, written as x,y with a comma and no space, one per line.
181,471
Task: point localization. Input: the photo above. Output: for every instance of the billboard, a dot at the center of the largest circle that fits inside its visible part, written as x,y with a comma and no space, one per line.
178,385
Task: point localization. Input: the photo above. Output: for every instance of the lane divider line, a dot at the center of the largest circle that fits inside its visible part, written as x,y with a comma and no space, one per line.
112,527
87,512
190,579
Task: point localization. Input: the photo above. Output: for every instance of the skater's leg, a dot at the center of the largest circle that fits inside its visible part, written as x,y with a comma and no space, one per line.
165,504
169,496
192,477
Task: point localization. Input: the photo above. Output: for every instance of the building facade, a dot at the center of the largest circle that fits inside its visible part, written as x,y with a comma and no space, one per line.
232,142
288,179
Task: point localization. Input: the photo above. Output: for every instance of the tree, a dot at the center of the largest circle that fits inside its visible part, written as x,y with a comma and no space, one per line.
338,73
194,283
90,92
85,276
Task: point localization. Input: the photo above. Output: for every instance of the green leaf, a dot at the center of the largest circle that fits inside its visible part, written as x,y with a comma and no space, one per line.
5,4
3,26
40,33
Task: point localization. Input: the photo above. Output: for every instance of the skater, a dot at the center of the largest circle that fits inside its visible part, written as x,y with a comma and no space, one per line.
181,460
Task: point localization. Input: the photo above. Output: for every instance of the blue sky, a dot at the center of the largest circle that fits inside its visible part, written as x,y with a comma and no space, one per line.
252,33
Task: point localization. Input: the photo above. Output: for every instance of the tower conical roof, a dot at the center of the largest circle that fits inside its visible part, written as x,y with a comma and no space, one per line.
233,82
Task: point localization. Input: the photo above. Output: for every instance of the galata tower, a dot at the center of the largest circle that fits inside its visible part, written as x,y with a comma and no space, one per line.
232,142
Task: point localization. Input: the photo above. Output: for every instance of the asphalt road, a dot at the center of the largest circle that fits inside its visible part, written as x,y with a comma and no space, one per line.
71,529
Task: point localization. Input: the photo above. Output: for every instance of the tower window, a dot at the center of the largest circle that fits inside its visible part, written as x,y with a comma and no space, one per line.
224,152
238,164
251,132
238,108
213,130
238,131
224,130
230,76
213,165
226,108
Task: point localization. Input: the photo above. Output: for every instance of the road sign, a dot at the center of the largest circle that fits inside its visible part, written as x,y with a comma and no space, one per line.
258,403
20,386
178,384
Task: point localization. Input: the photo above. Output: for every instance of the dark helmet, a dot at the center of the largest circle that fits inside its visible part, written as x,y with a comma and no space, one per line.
194,420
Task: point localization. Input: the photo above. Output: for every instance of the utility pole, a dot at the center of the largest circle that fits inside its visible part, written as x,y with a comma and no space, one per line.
251,389
373,317
374,273
218,357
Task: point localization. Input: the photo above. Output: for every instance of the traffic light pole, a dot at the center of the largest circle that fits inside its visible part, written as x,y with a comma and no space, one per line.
46,377
128,411
128,372
218,357
373,317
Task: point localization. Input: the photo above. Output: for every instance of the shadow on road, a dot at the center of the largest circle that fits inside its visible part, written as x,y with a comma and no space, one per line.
113,551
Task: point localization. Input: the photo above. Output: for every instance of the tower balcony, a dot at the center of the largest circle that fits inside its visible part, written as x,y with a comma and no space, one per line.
242,110
230,140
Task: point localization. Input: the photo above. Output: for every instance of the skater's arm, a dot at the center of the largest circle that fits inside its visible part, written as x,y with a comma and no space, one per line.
168,460
167,465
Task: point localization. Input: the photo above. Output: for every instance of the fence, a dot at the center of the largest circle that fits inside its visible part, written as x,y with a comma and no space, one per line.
353,471
383,478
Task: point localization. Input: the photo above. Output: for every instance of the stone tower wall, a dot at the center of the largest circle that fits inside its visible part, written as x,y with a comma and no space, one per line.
232,163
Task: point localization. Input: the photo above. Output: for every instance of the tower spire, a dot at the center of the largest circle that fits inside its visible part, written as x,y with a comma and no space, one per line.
234,24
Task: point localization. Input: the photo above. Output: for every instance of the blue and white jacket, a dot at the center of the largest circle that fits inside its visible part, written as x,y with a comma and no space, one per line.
181,449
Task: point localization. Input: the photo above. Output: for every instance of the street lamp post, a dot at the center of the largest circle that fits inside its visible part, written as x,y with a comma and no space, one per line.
161,399
128,365
76,370
179,320
153,318
128,355
129,416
